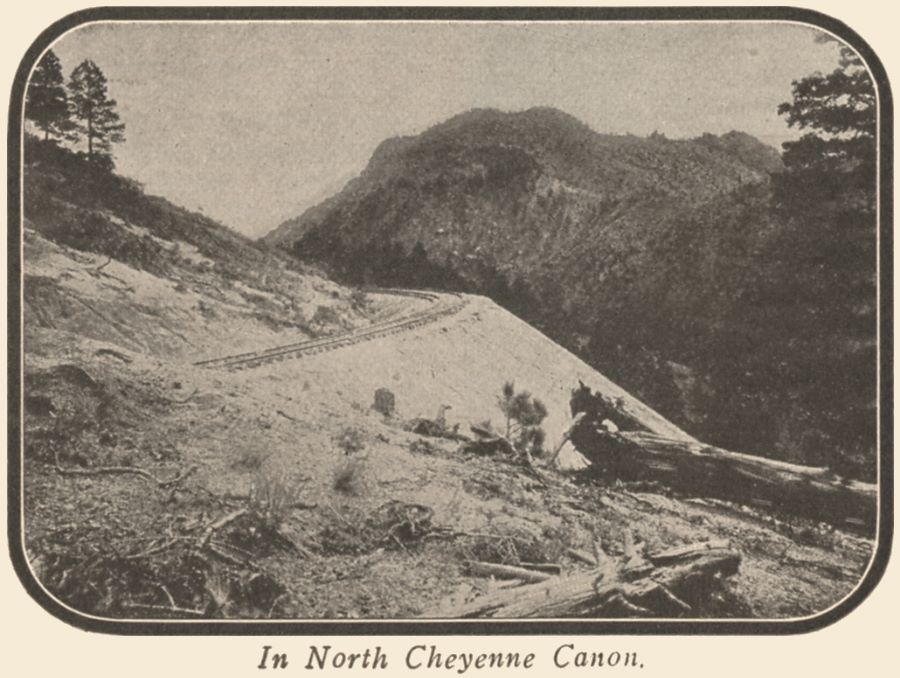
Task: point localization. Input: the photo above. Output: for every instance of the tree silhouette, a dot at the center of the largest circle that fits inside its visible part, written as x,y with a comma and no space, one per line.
839,109
96,120
820,291
46,103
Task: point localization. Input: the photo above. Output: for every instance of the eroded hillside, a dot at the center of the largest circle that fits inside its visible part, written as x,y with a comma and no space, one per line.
107,262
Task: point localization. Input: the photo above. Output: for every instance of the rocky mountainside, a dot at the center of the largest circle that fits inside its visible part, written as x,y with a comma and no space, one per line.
632,252
539,170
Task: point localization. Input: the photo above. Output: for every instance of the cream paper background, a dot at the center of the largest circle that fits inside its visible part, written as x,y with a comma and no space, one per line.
35,644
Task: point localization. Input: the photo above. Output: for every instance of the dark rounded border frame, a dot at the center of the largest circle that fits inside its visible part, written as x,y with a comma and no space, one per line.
448,627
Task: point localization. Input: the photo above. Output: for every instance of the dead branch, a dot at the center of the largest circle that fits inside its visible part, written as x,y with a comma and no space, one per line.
639,500
154,550
165,608
303,551
834,571
99,272
582,556
217,550
545,568
112,470
483,432
629,607
342,518
178,479
296,505
115,354
167,594
682,553
204,538
672,598
566,435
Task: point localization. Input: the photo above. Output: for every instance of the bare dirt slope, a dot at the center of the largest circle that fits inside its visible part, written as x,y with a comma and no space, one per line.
300,500
460,361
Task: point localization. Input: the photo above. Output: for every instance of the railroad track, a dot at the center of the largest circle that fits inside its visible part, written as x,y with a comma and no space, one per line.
251,359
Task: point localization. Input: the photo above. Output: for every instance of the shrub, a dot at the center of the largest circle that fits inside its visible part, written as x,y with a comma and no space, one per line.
350,439
350,476
359,300
326,315
249,459
273,495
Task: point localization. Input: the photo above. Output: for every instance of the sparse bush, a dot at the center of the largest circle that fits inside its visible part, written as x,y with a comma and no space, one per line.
249,459
351,440
424,447
350,477
500,549
326,315
524,415
206,310
359,300
516,547
273,495
394,524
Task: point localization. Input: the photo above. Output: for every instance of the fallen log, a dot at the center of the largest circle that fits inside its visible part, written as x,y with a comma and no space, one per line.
499,571
667,591
681,554
706,471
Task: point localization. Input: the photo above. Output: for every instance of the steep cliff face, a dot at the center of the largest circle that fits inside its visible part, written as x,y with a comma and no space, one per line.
627,250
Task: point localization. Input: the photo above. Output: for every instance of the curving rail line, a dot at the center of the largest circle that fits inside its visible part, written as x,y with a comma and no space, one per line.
253,359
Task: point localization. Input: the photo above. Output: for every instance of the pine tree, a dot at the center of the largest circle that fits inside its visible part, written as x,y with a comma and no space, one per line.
46,103
96,120
523,415
839,108
822,280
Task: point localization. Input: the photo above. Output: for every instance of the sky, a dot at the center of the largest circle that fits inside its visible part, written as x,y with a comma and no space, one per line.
254,122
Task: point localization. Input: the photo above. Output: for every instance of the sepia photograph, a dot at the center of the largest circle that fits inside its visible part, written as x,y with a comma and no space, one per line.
442,318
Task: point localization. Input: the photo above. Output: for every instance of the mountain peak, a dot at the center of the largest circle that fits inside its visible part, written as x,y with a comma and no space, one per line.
520,152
